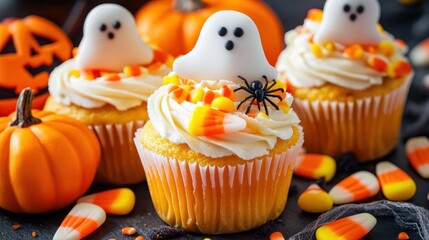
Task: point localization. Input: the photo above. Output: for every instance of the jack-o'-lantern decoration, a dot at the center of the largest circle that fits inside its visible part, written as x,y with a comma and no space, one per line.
174,25
30,48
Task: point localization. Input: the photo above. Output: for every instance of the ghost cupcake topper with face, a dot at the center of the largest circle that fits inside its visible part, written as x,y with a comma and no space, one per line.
349,22
111,41
229,46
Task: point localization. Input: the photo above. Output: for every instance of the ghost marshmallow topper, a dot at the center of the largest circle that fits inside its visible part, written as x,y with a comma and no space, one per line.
349,22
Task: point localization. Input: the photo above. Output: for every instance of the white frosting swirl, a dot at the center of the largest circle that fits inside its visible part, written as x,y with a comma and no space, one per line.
171,119
303,69
126,93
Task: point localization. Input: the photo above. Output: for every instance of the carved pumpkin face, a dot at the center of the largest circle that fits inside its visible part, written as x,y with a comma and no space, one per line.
29,49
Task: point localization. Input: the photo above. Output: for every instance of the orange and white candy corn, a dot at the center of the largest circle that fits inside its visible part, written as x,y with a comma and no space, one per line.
315,166
206,121
396,184
358,186
118,201
315,194
417,149
419,55
349,228
82,220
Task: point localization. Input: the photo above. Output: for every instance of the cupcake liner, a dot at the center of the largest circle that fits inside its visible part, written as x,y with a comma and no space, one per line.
213,199
120,163
368,127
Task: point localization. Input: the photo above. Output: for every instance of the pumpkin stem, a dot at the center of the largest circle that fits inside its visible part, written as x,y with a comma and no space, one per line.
23,117
188,5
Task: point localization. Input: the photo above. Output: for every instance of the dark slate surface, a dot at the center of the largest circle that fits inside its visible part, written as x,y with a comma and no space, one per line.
396,18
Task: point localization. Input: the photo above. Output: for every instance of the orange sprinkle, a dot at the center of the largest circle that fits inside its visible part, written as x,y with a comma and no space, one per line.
129,231
277,236
315,15
399,69
377,63
112,77
74,51
208,97
370,48
16,226
180,94
354,51
139,238
403,236
400,42
154,67
34,234
226,91
132,71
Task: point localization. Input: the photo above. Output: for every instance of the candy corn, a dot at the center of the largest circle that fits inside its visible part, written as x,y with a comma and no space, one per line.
118,201
419,55
315,166
277,236
417,149
396,184
349,228
359,186
206,121
315,194
83,219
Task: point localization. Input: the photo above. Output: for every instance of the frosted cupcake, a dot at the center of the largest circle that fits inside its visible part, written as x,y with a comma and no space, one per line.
221,142
350,79
107,85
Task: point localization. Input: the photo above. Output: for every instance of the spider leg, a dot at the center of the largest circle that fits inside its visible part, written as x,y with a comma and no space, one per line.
275,96
272,103
244,100
266,82
273,84
245,81
259,106
243,88
275,90
266,109
250,105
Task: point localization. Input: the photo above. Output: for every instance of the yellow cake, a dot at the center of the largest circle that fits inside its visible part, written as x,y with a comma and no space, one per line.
222,139
349,87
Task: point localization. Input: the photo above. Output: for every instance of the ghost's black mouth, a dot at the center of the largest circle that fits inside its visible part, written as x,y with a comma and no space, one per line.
110,35
229,45
353,17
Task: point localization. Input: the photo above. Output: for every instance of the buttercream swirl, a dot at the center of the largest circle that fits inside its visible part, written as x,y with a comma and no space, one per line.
126,93
172,118
299,65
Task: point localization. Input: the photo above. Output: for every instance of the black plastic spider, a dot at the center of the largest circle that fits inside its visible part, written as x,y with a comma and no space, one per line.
260,93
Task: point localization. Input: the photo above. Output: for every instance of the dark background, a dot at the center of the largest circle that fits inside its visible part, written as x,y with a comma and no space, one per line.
402,21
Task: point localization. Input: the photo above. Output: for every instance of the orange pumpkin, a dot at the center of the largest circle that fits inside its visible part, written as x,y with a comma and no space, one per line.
46,161
174,25
29,49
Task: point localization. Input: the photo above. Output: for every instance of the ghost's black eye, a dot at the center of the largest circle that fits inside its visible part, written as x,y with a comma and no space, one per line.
103,27
117,25
238,32
222,31
360,9
346,8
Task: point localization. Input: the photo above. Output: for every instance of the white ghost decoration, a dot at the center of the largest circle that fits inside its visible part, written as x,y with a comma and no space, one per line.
349,22
228,46
111,41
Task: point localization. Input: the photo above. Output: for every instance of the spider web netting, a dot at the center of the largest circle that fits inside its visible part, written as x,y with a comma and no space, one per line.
408,216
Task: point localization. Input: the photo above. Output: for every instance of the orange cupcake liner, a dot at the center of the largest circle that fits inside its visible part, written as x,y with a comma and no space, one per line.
218,200
368,127
120,163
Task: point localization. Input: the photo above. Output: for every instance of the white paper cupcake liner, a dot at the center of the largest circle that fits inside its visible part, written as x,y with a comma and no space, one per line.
120,163
214,200
369,127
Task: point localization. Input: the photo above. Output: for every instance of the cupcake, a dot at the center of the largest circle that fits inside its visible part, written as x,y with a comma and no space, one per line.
106,85
222,139
349,78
